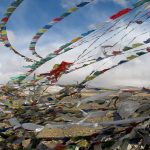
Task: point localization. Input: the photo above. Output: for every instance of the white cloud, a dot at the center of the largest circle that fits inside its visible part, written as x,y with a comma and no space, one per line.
121,76
121,2
68,4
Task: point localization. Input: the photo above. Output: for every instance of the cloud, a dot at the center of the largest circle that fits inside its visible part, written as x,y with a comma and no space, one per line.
121,2
135,73
12,65
68,4
121,76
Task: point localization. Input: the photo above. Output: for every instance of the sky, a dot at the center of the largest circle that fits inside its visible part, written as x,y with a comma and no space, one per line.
34,14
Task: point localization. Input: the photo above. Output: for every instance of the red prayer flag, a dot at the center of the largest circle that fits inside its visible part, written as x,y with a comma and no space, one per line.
116,52
36,37
57,51
148,49
120,13
5,19
57,19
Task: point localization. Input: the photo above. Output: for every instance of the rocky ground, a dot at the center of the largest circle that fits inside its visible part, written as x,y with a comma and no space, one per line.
111,121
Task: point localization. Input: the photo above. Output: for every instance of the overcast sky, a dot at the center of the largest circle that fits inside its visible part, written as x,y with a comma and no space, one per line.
33,14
